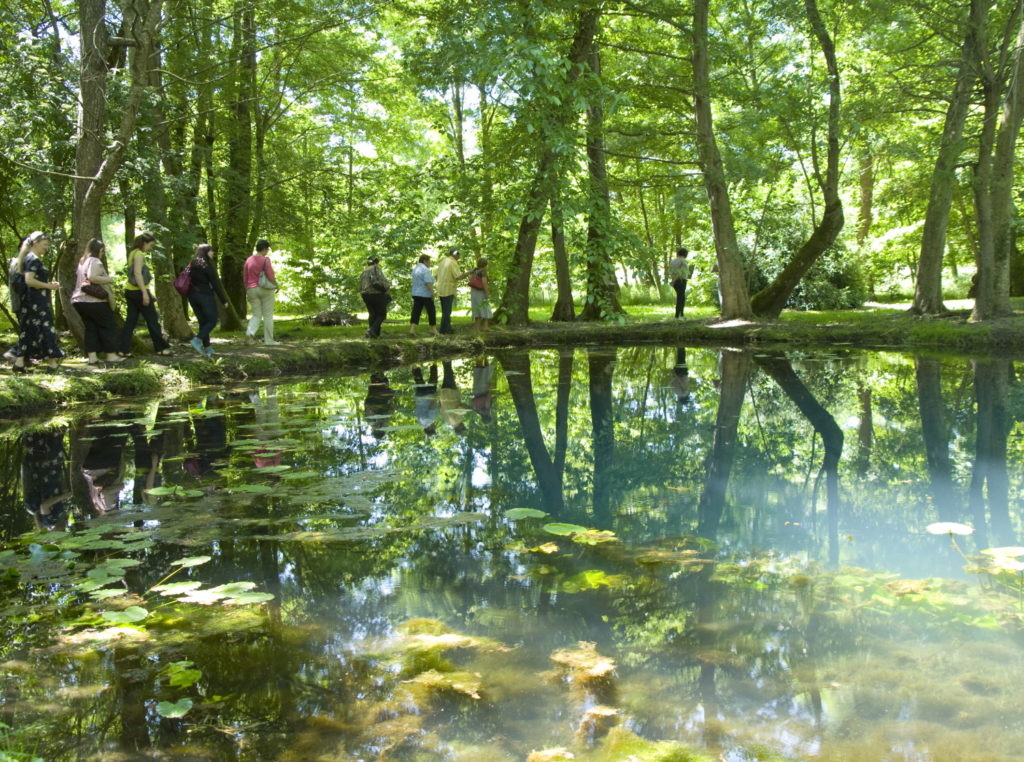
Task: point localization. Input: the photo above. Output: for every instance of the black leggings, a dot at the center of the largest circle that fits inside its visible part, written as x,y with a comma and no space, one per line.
420,303
100,326
680,286
135,308
377,306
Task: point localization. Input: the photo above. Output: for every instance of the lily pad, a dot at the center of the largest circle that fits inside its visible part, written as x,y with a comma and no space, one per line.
949,527
191,561
524,513
563,530
130,615
171,710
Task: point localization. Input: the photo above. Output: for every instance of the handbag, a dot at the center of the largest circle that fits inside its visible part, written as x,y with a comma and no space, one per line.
96,291
183,283
476,281
265,281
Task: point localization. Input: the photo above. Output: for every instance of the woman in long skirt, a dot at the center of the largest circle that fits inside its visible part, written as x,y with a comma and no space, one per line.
37,338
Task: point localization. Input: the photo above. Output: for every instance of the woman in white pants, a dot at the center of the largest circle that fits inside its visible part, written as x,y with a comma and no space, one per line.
260,288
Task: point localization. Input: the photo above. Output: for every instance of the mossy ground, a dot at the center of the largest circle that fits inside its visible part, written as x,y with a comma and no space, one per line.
306,348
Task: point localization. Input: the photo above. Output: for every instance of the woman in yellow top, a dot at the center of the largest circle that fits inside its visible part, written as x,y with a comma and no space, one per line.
139,300
446,281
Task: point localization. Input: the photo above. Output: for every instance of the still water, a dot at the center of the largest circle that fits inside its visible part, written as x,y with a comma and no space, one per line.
644,553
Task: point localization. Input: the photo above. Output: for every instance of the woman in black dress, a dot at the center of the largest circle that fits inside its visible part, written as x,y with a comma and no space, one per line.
37,339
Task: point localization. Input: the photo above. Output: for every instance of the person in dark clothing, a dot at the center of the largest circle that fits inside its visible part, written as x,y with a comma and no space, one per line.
37,339
376,293
44,477
680,271
205,286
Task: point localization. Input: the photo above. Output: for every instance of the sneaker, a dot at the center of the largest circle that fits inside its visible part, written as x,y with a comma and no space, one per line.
272,343
209,351
198,346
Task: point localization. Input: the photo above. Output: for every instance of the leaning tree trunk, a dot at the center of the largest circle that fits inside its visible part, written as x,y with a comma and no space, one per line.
773,297
731,278
928,287
96,162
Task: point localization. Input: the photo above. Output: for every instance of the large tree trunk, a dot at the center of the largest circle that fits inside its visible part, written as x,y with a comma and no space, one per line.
602,300
96,162
238,174
928,287
773,297
515,301
732,280
993,181
601,363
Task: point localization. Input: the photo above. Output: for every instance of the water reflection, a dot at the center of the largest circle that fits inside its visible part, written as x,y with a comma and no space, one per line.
451,547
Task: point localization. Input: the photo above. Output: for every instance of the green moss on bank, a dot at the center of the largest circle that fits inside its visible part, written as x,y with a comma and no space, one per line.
306,350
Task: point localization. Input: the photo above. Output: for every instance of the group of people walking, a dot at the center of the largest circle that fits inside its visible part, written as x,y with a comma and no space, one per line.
375,290
93,299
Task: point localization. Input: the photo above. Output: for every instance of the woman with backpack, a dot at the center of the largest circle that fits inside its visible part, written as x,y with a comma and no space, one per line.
139,300
31,284
205,285
91,300
260,287
375,290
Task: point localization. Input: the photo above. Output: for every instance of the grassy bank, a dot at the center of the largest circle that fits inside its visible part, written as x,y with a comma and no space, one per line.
306,349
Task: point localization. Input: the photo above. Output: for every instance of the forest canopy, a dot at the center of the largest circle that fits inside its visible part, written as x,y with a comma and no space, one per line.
812,153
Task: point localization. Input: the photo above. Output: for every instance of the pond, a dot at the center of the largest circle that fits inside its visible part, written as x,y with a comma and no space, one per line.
635,553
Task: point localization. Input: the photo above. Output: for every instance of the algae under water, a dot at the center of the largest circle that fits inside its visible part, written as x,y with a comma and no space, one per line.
643,553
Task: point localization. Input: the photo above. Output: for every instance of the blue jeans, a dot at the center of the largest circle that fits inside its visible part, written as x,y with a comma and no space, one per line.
205,308
447,303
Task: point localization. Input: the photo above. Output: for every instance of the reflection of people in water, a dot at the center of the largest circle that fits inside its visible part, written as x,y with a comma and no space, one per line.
378,403
483,375
102,468
451,400
426,399
211,440
680,378
268,428
149,452
44,478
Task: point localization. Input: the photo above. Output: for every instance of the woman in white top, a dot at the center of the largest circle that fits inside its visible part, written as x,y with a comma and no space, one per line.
96,313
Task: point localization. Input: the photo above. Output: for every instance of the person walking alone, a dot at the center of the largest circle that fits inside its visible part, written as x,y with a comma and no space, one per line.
448,276
91,279
260,290
139,300
375,290
679,271
205,285
423,295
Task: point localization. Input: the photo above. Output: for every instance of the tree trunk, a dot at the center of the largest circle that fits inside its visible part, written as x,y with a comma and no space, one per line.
515,301
731,278
928,288
735,369
565,307
549,475
96,162
601,363
993,180
773,297
865,212
935,433
825,425
602,300
238,174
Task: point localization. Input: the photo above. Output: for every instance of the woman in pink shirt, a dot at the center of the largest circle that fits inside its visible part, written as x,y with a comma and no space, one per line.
259,292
